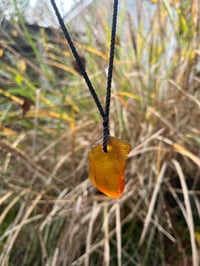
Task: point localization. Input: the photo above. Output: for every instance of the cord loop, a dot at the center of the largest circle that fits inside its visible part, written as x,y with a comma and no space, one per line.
103,112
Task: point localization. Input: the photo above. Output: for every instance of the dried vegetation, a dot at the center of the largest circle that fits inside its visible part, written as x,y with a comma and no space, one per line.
49,212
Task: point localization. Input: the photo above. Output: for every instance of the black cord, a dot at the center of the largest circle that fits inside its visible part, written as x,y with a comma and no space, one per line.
109,79
104,114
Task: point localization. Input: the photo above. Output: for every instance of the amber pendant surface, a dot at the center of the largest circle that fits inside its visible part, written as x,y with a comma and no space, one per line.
106,170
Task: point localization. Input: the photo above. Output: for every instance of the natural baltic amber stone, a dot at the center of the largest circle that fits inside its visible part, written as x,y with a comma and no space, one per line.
106,169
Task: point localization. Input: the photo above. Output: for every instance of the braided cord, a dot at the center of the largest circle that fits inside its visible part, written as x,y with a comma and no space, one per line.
104,114
109,79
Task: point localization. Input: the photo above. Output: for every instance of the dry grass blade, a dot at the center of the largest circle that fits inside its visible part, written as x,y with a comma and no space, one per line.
189,216
55,257
106,236
165,122
181,150
5,145
94,213
11,204
118,234
5,197
145,142
152,203
17,227
61,66
189,96
197,202
155,222
8,156
56,208
12,237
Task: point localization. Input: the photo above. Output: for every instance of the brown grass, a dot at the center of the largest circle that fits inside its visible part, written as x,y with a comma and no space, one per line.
50,214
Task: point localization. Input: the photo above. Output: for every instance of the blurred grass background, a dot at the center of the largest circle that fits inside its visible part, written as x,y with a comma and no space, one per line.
50,214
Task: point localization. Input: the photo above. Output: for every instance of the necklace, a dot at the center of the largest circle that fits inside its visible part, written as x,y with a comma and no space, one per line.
107,160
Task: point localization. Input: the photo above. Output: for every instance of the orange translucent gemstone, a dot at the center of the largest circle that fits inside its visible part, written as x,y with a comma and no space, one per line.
106,169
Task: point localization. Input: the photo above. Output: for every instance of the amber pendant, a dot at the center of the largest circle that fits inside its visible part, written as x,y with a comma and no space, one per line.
106,170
